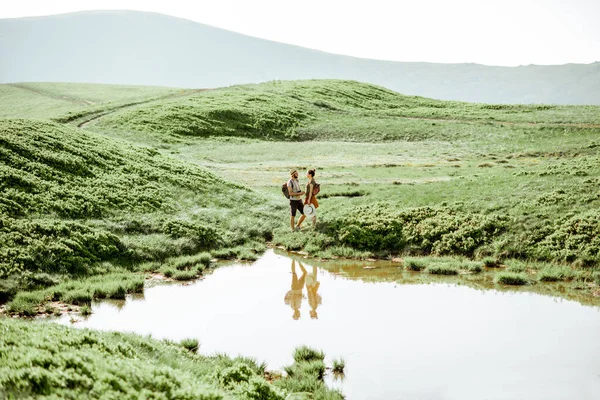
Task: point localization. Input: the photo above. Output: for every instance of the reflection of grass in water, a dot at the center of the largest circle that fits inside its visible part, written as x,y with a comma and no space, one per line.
85,310
111,286
579,287
338,366
441,269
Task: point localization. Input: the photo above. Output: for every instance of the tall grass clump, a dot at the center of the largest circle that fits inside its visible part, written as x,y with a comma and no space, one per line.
411,264
85,310
185,275
190,344
473,267
305,353
511,278
555,273
490,262
201,260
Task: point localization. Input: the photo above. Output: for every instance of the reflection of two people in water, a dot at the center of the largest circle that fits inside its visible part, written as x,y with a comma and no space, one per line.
294,296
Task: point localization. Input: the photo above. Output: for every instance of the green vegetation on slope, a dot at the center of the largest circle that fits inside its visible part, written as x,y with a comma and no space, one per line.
321,109
451,178
65,100
71,199
43,360
490,169
84,213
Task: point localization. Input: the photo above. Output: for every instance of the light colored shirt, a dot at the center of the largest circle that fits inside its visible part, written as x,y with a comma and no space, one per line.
294,186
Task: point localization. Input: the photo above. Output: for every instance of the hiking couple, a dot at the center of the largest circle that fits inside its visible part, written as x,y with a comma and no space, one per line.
296,203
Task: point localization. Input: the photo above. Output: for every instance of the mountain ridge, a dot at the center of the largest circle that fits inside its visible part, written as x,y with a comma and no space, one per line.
144,48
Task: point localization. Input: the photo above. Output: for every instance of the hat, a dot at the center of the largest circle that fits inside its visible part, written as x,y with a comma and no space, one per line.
310,211
293,171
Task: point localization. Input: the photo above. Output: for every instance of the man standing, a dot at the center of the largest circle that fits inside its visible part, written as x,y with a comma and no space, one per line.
295,199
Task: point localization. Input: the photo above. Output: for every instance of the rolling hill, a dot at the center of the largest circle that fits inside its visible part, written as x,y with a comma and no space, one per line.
126,47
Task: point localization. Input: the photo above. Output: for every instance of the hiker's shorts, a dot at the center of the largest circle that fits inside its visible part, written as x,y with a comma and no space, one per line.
296,205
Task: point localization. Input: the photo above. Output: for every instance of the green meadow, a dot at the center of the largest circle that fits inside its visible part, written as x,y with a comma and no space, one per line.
103,185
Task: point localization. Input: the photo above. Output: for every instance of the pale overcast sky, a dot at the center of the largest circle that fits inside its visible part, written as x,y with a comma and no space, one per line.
491,32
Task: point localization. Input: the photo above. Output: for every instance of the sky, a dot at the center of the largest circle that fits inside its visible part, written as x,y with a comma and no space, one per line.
490,32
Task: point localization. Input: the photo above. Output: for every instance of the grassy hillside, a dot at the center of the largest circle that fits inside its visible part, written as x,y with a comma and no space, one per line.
92,199
401,174
70,199
180,53
43,360
338,110
66,100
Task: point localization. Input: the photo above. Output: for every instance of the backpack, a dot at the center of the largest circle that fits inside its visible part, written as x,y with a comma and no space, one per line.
284,189
316,189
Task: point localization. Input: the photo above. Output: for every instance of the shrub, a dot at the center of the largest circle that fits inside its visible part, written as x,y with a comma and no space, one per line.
203,236
237,373
8,288
258,389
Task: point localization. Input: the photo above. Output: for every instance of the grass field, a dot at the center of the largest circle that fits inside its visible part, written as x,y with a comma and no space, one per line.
101,185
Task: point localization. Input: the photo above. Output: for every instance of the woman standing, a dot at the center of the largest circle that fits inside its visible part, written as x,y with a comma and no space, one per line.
311,198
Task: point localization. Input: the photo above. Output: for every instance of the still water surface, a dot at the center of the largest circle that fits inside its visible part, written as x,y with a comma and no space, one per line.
426,342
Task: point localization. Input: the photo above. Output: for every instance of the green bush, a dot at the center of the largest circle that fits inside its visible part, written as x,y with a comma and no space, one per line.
235,374
204,236
379,227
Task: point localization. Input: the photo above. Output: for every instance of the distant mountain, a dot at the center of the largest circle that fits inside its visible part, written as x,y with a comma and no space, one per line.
130,47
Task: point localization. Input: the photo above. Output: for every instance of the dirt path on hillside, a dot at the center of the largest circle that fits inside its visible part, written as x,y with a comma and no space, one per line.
97,115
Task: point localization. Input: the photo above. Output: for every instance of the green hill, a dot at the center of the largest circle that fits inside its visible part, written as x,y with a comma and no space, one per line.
402,175
70,199
61,100
329,110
